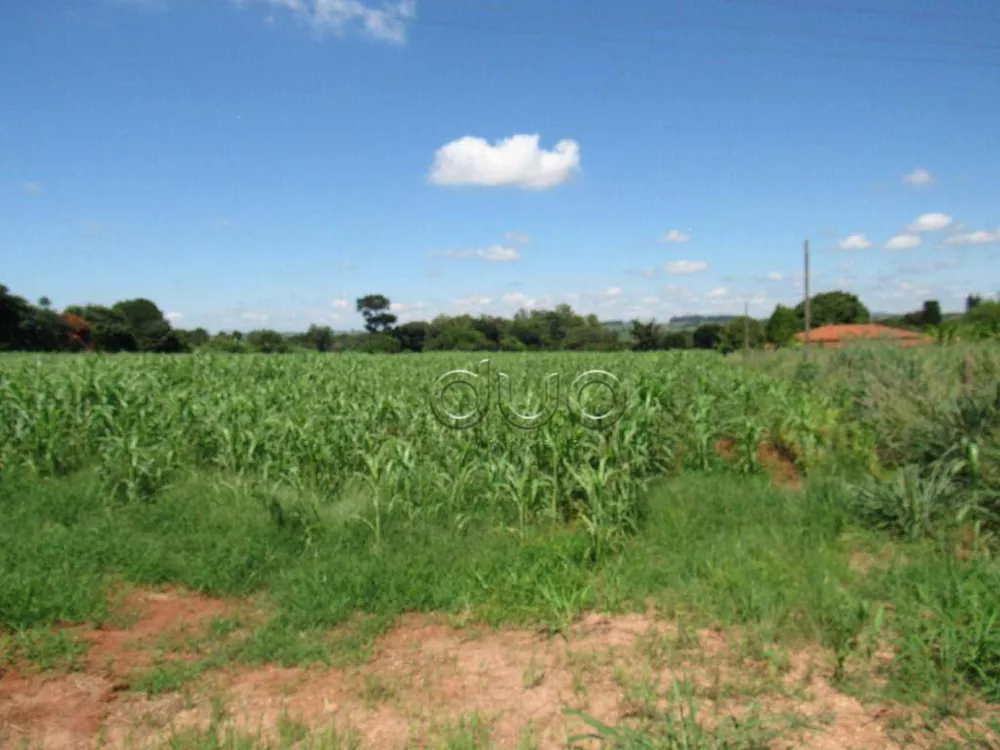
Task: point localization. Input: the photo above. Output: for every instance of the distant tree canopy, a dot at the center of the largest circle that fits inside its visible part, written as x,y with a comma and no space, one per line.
707,336
374,308
782,326
833,308
734,334
138,325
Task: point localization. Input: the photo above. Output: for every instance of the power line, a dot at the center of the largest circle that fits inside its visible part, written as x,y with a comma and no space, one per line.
798,5
829,35
668,24
478,27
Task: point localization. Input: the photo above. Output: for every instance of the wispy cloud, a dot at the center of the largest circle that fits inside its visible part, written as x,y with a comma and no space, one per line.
33,188
386,23
686,266
675,235
493,253
514,162
855,242
930,223
982,237
774,276
517,238
919,177
903,242
173,317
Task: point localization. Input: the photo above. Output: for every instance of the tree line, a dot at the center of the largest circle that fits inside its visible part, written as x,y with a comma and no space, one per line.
138,325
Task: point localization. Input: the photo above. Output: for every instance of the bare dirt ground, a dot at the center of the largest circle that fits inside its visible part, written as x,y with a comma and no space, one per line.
425,672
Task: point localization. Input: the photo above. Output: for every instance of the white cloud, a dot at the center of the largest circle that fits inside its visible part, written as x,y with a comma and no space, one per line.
493,253
686,266
930,223
387,23
341,303
473,301
982,237
397,306
256,317
847,266
613,292
649,301
903,242
717,293
514,162
855,242
919,177
680,291
518,238
774,276
573,296
34,188
675,235
172,316
515,298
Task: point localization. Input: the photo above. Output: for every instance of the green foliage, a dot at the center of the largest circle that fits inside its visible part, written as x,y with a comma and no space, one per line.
145,321
833,308
782,326
707,336
320,338
646,336
267,342
375,308
983,321
734,334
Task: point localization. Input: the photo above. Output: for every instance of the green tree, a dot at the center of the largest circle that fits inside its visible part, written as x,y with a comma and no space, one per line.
412,336
645,336
833,308
109,327
380,343
267,342
735,332
319,338
677,340
147,324
782,326
375,309
932,313
972,301
983,320
13,311
707,336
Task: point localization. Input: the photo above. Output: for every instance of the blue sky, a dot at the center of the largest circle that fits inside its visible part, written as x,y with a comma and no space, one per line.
265,162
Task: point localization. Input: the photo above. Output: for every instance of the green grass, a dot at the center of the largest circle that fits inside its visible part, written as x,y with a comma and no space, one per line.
714,550
323,487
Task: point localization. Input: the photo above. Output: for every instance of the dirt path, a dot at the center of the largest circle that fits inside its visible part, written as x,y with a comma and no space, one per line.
424,675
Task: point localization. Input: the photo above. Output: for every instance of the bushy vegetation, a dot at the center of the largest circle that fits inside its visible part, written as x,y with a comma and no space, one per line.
138,325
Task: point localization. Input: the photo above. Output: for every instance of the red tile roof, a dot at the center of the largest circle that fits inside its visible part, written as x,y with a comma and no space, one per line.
838,333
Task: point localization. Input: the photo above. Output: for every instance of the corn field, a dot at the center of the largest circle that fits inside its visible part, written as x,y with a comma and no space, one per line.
358,434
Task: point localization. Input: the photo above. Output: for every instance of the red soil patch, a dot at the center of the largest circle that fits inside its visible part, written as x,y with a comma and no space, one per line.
834,335
425,673
65,711
778,463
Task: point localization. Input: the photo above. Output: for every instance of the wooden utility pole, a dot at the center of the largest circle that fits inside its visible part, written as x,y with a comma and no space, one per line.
746,328
805,348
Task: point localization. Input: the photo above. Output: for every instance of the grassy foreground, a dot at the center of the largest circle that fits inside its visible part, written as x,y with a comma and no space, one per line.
323,489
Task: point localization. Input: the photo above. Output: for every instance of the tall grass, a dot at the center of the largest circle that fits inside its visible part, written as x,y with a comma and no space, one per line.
326,484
